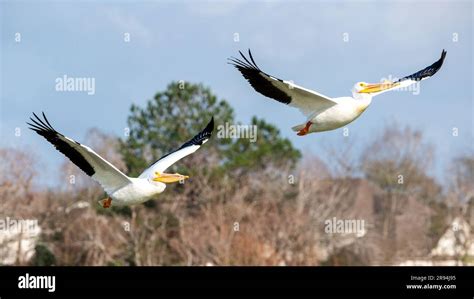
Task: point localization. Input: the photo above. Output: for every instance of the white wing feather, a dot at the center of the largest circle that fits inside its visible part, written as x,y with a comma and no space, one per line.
163,164
306,100
186,149
106,174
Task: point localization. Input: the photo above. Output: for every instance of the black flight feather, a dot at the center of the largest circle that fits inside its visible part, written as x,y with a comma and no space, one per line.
255,76
45,129
428,71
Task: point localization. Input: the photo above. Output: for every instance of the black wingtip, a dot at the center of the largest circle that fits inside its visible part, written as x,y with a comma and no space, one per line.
36,116
443,54
47,121
253,61
244,63
35,125
39,124
210,126
440,61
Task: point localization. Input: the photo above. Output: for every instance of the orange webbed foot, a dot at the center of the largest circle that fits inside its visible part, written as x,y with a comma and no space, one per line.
305,130
107,202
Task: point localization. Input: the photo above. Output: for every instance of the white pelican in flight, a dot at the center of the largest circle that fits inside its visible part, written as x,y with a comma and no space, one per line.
121,189
323,113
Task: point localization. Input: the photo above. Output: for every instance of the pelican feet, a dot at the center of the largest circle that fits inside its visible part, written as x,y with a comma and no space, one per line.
305,130
169,177
106,202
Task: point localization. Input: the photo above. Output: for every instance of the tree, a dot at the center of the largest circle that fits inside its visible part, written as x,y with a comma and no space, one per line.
462,176
269,149
183,109
168,120
398,161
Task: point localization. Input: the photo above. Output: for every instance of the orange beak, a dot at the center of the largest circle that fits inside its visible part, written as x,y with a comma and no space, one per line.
377,87
168,178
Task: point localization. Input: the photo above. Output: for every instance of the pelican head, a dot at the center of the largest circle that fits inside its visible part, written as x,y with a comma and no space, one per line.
359,94
359,86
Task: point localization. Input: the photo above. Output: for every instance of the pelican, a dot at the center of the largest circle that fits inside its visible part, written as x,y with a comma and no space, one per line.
323,113
121,189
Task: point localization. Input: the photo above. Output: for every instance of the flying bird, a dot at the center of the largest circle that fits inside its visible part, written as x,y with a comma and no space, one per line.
121,189
323,113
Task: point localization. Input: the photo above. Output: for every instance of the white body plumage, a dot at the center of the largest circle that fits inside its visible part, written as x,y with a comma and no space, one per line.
138,191
344,112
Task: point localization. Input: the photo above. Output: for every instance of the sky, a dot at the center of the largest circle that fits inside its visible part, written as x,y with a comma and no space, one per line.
322,45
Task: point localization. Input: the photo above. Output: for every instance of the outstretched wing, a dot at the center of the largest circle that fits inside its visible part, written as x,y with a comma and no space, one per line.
286,92
186,149
427,72
84,157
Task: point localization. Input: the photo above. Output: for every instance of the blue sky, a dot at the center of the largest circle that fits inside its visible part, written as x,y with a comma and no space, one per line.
301,41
